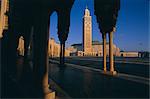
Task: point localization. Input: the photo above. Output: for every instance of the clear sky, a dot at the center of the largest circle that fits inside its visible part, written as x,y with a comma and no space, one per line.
132,26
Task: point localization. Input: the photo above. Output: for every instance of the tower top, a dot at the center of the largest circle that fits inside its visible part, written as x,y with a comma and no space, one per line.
86,7
87,12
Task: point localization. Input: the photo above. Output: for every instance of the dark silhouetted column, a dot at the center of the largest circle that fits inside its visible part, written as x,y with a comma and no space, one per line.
41,37
104,52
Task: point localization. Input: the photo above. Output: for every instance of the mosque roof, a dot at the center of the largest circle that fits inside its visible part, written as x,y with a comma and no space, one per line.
93,43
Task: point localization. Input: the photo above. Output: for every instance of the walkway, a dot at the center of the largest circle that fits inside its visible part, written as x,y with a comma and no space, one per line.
85,82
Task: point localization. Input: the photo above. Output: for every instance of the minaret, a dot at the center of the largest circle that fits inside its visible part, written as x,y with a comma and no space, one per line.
87,32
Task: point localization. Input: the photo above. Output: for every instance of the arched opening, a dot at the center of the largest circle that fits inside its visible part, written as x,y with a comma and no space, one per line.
53,46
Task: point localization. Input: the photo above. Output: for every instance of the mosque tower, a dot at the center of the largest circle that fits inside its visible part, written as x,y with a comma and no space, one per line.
87,33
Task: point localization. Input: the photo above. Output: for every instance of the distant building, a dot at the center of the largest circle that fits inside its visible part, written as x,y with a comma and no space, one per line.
54,49
129,54
144,54
77,50
89,47
97,49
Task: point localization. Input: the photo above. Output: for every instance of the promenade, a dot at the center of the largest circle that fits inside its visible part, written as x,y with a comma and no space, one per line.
84,78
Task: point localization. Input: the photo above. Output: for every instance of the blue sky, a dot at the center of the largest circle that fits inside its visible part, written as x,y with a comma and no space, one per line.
132,26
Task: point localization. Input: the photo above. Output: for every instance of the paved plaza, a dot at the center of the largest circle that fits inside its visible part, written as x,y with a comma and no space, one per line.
84,78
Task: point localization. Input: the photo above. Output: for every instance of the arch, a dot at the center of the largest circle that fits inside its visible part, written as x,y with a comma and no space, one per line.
52,51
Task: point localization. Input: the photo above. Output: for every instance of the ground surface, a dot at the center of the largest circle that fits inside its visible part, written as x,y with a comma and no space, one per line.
82,77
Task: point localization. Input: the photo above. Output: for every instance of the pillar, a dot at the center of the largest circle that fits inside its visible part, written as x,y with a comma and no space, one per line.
111,58
26,67
63,57
104,52
41,63
61,52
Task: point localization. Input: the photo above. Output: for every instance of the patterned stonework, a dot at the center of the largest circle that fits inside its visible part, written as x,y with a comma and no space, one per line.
87,32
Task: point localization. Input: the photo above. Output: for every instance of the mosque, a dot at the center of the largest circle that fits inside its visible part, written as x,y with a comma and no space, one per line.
87,47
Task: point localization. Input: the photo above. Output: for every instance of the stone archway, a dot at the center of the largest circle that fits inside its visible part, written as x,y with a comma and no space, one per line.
34,14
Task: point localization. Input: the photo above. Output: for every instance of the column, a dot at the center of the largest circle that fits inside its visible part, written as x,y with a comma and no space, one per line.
61,52
63,58
111,60
41,63
104,52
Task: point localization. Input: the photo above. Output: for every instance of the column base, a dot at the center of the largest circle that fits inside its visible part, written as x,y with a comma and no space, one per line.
113,73
50,95
105,72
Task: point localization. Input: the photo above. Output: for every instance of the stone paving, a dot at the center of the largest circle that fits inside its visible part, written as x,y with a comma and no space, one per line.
123,66
81,82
